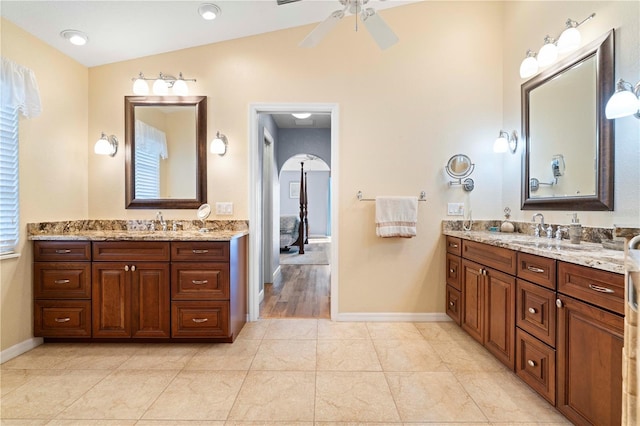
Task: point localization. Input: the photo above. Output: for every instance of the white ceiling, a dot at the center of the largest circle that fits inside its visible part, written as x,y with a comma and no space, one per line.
122,30
316,121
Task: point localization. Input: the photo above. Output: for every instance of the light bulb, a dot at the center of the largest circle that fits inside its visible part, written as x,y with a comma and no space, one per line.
209,11
103,146
548,53
622,104
301,115
140,87
501,145
180,88
218,146
160,87
75,37
529,65
569,40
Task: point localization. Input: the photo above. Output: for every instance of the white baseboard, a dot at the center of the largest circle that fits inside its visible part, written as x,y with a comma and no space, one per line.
392,317
276,273
20,348
261,296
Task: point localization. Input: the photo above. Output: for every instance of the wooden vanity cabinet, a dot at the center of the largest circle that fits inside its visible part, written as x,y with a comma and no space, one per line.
454,278
62,289
130,296
590,340
488,298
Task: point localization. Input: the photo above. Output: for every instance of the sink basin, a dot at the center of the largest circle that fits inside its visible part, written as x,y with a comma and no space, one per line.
550,244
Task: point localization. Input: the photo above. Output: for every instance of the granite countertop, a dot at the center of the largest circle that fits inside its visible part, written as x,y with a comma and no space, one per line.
587,254
136,230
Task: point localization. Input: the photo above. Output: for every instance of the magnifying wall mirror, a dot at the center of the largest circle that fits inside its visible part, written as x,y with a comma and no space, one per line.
165,145
568,161
460,167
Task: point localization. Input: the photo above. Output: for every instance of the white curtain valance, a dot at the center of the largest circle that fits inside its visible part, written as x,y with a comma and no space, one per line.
150,139
19,89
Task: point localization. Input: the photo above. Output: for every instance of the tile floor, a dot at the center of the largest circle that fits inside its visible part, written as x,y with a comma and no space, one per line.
285,372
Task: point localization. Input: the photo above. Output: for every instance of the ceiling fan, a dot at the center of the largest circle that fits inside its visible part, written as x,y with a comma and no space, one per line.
377,27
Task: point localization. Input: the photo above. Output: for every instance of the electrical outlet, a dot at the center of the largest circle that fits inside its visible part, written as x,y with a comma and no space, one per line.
224,209
455,209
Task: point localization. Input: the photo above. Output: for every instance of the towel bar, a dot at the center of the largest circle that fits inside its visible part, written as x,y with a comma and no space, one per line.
423,197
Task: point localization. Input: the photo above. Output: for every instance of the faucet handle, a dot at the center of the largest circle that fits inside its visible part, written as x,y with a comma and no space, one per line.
549,231
536,229
560,231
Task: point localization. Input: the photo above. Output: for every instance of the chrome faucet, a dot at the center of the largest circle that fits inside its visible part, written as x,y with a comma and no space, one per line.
536,230
162,221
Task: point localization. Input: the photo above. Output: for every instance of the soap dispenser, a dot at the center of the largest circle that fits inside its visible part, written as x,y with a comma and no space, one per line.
507,226
575,230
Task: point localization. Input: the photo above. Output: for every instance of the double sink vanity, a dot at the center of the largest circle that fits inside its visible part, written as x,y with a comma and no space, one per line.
551,311
138,285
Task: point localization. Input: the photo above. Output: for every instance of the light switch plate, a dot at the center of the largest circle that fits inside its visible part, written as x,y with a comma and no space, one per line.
455,209
224,209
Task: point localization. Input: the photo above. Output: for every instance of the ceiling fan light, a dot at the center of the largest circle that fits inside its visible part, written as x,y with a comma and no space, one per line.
301,115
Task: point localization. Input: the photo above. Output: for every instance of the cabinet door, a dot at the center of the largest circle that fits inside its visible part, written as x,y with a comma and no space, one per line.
453,304
472,300
589,353
500,302
150,308
111,300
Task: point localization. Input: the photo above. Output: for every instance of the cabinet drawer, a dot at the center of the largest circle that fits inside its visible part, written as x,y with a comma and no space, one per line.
601,288
199,319
536,365
195,251
62,280
454,245
498,258
58,318
62,251
537,269
454,300
130,251
536,311
193,281
453,271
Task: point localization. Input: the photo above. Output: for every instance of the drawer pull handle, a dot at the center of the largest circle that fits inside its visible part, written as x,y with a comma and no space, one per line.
63,251
532,310
199,320
199,251
531,363
199,282
600,289
67,319
453,245
65,281
536,270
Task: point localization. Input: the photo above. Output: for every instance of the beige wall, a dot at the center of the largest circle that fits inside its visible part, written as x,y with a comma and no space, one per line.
526,24
403,113
53,166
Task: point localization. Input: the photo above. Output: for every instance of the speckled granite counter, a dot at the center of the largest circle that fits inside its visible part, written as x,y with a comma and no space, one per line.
136,230
587,254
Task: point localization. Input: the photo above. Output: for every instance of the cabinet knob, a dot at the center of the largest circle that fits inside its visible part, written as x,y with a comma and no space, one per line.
65,281
452,270
559,303
453,245
126,268
66,319
532,310
531,363
452,303
199,320
133,267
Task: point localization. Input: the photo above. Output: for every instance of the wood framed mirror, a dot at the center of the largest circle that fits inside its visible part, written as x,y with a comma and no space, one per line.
568,162
165,152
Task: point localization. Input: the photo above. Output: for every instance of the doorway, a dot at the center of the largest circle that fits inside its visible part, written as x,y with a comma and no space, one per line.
257,224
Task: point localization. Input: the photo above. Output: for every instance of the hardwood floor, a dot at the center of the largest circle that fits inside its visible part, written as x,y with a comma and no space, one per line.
300,291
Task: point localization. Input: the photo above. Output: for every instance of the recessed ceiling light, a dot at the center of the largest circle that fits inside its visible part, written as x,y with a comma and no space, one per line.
75,37
301,115
209,11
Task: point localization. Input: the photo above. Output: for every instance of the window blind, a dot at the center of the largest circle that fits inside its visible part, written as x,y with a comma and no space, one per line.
147,173
9,202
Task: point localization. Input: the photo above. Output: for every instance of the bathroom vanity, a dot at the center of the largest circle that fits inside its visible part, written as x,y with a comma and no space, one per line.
140,286
552,312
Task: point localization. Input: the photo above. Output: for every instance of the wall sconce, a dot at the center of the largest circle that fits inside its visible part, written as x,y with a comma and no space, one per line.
567,42
506,142
219,145
625,101
161,85
106,145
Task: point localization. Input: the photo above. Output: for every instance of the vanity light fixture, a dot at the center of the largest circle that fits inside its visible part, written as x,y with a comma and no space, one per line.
506,142
75,37
301,115
219,145
625,101
161,85
106,145
567,42
209,11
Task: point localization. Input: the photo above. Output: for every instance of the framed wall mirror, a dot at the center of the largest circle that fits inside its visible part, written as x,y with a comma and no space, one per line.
568,163
165,152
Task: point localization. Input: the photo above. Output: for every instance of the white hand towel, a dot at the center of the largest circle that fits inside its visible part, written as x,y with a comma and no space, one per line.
396,216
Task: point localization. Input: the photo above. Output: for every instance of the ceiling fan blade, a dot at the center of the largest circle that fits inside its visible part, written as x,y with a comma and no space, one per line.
378,28
322,29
